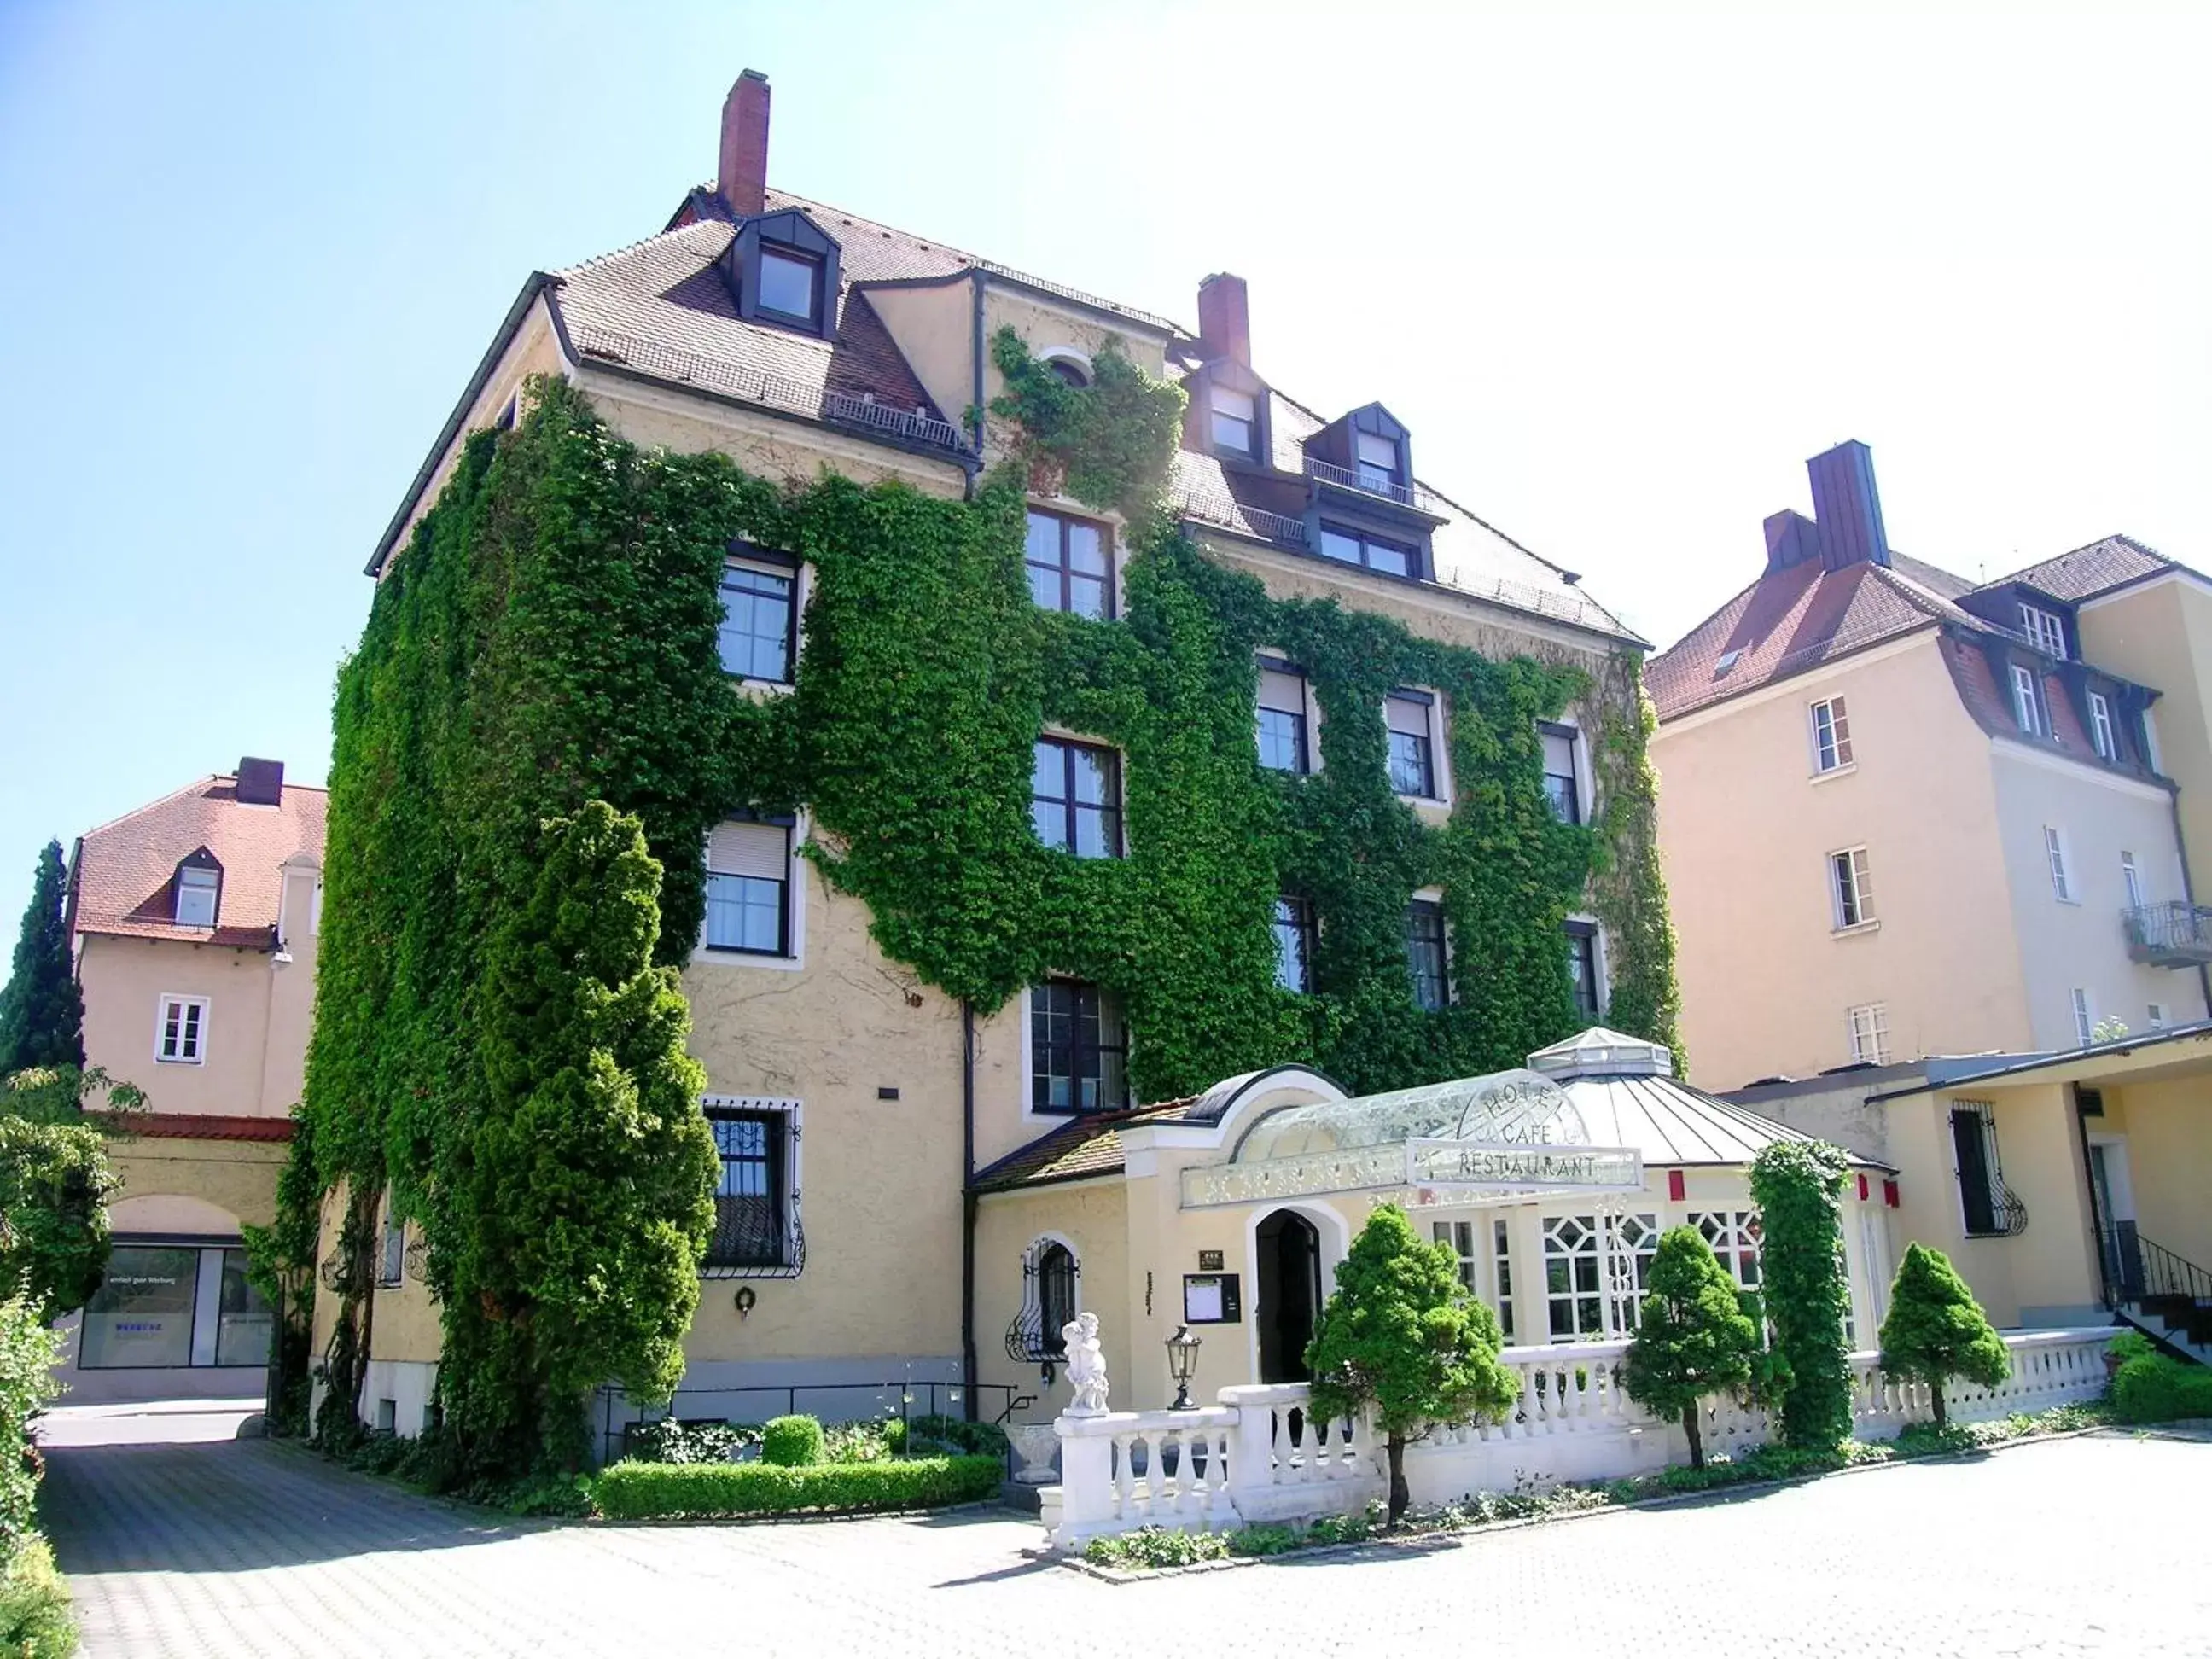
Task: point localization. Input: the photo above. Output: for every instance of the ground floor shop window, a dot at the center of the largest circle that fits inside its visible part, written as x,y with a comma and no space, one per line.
164,1305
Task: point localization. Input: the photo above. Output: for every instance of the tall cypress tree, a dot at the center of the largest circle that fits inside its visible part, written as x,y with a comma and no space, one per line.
41,1010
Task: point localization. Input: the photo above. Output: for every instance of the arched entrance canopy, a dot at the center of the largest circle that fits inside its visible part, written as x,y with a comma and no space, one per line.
1509,1132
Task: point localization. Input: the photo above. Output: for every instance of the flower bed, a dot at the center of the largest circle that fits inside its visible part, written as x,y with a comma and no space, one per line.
638,1492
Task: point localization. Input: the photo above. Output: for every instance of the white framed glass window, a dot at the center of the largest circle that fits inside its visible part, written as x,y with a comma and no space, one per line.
1578,1274
2155,1016
748,888
2045,628
1735,1237
200,888
180,1025
1501,1259
1851,888
1831,735
2027,702
2101,732
2054,851
1460,1235
2131,878
2085,1019
1870,1033
1235,417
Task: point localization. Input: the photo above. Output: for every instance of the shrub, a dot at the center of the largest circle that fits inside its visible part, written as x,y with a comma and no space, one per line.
1936,1330
2130,1344
1159,1546
27,1353
867,1442
792,1442
1692,1338
2155,1389
933,1430
636,1491
35,1611
671,1442
1263,1540
1798,1186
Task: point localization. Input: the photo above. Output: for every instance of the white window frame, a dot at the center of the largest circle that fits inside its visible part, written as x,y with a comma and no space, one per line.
392,1248
2085,1015
1605,1234
2102,733
1440,777
1852,864
2046,630
1867,1030
794,899
2028,710
198,1028
1216,412
1838,756
1734,1235
1578,752
2155,1015
2056,856
2131,880
211,884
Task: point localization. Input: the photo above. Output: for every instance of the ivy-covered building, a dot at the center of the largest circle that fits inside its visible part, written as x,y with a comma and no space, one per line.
1034,712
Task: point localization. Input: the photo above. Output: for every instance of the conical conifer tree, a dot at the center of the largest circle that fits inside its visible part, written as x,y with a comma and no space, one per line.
1693,1337
41,1010
1936,1330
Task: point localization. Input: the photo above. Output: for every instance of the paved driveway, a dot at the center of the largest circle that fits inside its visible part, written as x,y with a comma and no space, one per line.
180,1545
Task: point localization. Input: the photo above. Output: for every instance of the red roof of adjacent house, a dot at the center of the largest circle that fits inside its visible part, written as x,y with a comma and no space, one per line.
124,874
2112,562
195,1126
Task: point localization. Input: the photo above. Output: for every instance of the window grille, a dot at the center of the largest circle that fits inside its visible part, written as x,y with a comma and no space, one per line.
1988,1206
757,1233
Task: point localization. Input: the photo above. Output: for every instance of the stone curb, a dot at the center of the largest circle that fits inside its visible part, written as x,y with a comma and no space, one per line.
1457,1536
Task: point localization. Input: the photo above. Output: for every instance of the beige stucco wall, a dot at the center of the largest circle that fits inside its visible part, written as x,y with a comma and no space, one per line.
932,326
1093,1217
237,1177
2062,945
1746,830
2160,634
2165,1125
124,981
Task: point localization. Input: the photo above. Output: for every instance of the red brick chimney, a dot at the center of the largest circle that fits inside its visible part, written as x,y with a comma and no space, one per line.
742,176
1224,320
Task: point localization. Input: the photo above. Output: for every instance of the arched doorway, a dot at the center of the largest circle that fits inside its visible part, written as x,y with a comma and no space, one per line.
1287,1251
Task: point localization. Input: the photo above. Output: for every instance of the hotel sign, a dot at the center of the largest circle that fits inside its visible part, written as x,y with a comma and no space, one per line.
1501,1166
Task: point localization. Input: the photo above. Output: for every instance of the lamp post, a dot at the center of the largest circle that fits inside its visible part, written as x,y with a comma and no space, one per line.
1183,1365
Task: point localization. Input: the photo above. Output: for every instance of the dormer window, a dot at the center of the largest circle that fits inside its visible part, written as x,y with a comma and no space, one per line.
790,284
199,891
1380,467
1235,423
2046,628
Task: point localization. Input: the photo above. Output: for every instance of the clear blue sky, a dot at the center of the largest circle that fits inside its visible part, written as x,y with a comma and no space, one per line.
1620,274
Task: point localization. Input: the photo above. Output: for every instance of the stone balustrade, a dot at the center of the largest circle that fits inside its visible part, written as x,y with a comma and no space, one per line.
1261,1455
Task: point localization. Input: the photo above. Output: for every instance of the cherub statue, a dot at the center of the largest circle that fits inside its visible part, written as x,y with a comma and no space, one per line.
1086,1366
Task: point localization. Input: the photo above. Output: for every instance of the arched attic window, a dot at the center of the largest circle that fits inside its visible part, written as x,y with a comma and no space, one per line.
199,888
1068,369
783,270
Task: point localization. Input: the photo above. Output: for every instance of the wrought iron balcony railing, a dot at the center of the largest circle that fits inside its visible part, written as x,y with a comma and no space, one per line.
2171,935
1366,482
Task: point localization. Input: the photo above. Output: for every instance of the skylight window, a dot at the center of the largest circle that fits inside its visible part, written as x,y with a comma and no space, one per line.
1727,661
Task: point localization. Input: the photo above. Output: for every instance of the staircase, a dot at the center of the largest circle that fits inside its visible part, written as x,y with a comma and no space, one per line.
2165,1296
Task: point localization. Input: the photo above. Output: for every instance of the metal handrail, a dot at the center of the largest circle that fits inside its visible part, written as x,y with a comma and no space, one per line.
2136,1268
2176,925
1351,478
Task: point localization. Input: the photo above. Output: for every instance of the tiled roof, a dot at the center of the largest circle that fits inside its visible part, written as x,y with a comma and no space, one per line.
1083,1146
1796,618
125,871
2112,562
196,1126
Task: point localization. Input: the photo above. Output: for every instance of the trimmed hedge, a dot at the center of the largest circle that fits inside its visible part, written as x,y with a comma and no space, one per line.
638,1492
2156,1387
792,1441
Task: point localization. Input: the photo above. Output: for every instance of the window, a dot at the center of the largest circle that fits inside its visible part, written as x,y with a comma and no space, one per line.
1850,887
759,635
2027,702
1561,787
1413,759
1501,1253
1986,1205
1075,797
2054,849
749,887
2155,1016
1284,742
2045,628
1585,1302
753,1193
1294,945
2084,1022
1870,1026
1357,547
1068,372
1734,1235
199,888
391,1258
1380,467
2101,726
180,1031
2132,879
1581,967
791,284
1831,735
1069,565
1077,1049
1460,1235
1426,954
1236,423
1049,1276
162,1305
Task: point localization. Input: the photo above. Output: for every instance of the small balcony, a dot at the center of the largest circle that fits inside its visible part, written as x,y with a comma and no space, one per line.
2171,935
1367,480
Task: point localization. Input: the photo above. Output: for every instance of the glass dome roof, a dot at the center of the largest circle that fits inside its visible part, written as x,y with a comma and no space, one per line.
1515,1105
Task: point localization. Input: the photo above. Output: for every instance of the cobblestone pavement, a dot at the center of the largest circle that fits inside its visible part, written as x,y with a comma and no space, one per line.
190,1546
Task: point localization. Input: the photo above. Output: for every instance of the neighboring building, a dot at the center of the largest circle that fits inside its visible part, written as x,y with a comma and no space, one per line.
1905,814
2061,1184
193,923
796,338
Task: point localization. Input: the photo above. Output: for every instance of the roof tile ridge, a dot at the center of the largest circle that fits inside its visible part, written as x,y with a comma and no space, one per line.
1717,612
159,800
564,272
1924,599
2120,536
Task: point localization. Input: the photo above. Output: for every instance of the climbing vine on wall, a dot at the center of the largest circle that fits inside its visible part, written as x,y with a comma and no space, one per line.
1110,439
549,637
1628,890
